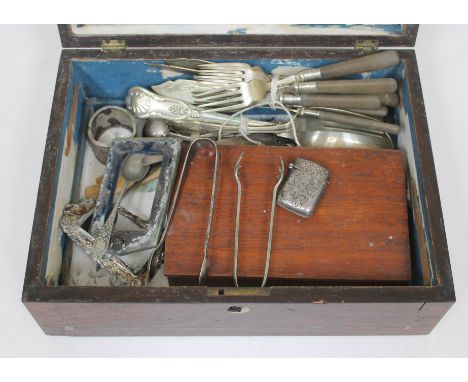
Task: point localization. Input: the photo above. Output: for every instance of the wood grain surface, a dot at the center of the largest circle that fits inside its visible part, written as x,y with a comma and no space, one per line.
358,233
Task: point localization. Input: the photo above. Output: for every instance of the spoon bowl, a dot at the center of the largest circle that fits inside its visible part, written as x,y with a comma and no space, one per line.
133,168
312,132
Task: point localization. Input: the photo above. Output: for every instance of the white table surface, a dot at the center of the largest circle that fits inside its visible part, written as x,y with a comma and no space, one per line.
28,69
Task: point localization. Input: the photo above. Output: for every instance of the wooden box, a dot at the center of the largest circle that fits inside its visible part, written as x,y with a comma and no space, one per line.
98,66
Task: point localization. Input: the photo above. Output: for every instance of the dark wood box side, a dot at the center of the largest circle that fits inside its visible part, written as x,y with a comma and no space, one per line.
228,41
429,185
189,319
40,298
36,256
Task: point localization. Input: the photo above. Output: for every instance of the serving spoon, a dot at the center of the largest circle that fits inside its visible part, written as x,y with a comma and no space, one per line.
312,132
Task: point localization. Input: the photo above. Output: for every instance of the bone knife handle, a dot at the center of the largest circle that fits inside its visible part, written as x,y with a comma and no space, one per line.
379,85
356,65
389,99
364,102
377,113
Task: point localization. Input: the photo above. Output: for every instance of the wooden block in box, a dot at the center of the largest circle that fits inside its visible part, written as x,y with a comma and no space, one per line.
358,233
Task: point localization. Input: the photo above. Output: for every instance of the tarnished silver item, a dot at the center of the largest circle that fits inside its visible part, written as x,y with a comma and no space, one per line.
73,217
103,235
106,124
126,242
110,248
271,223
98,248
303,187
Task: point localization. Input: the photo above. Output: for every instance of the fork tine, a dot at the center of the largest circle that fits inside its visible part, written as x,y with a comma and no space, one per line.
224,97
230,108
224,72
234,101
219,96
226,80
220,70
229,88
215,98
220,74
224,65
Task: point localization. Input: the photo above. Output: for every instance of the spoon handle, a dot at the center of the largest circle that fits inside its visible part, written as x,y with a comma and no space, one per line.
101,243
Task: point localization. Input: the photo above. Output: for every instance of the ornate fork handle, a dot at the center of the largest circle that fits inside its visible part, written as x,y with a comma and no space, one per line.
146,104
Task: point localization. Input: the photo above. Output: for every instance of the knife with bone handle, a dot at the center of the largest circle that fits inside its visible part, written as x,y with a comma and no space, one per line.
367,86
344,68
389,99
365,102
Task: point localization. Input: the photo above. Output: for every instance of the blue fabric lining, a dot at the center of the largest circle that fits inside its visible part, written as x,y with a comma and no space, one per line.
108,81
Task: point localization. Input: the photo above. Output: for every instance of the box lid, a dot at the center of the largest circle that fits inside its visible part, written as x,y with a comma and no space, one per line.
241,35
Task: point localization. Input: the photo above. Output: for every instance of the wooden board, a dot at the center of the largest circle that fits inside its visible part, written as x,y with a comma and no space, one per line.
358,233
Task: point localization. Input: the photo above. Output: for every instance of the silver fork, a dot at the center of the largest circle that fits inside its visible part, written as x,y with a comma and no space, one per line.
219,73
230,72
232,97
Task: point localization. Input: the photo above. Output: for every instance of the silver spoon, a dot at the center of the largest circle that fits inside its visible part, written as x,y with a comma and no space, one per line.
312,132
133,170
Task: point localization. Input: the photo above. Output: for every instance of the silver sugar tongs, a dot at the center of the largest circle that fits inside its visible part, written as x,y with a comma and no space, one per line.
205,264
272,219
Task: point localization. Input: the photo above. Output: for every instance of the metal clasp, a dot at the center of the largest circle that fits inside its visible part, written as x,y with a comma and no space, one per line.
113,45
367,46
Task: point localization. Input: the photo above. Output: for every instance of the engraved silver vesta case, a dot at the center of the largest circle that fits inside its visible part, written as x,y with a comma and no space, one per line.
303,187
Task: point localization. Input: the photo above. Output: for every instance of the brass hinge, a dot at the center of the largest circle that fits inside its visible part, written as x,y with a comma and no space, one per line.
113,45
367,46
239,292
